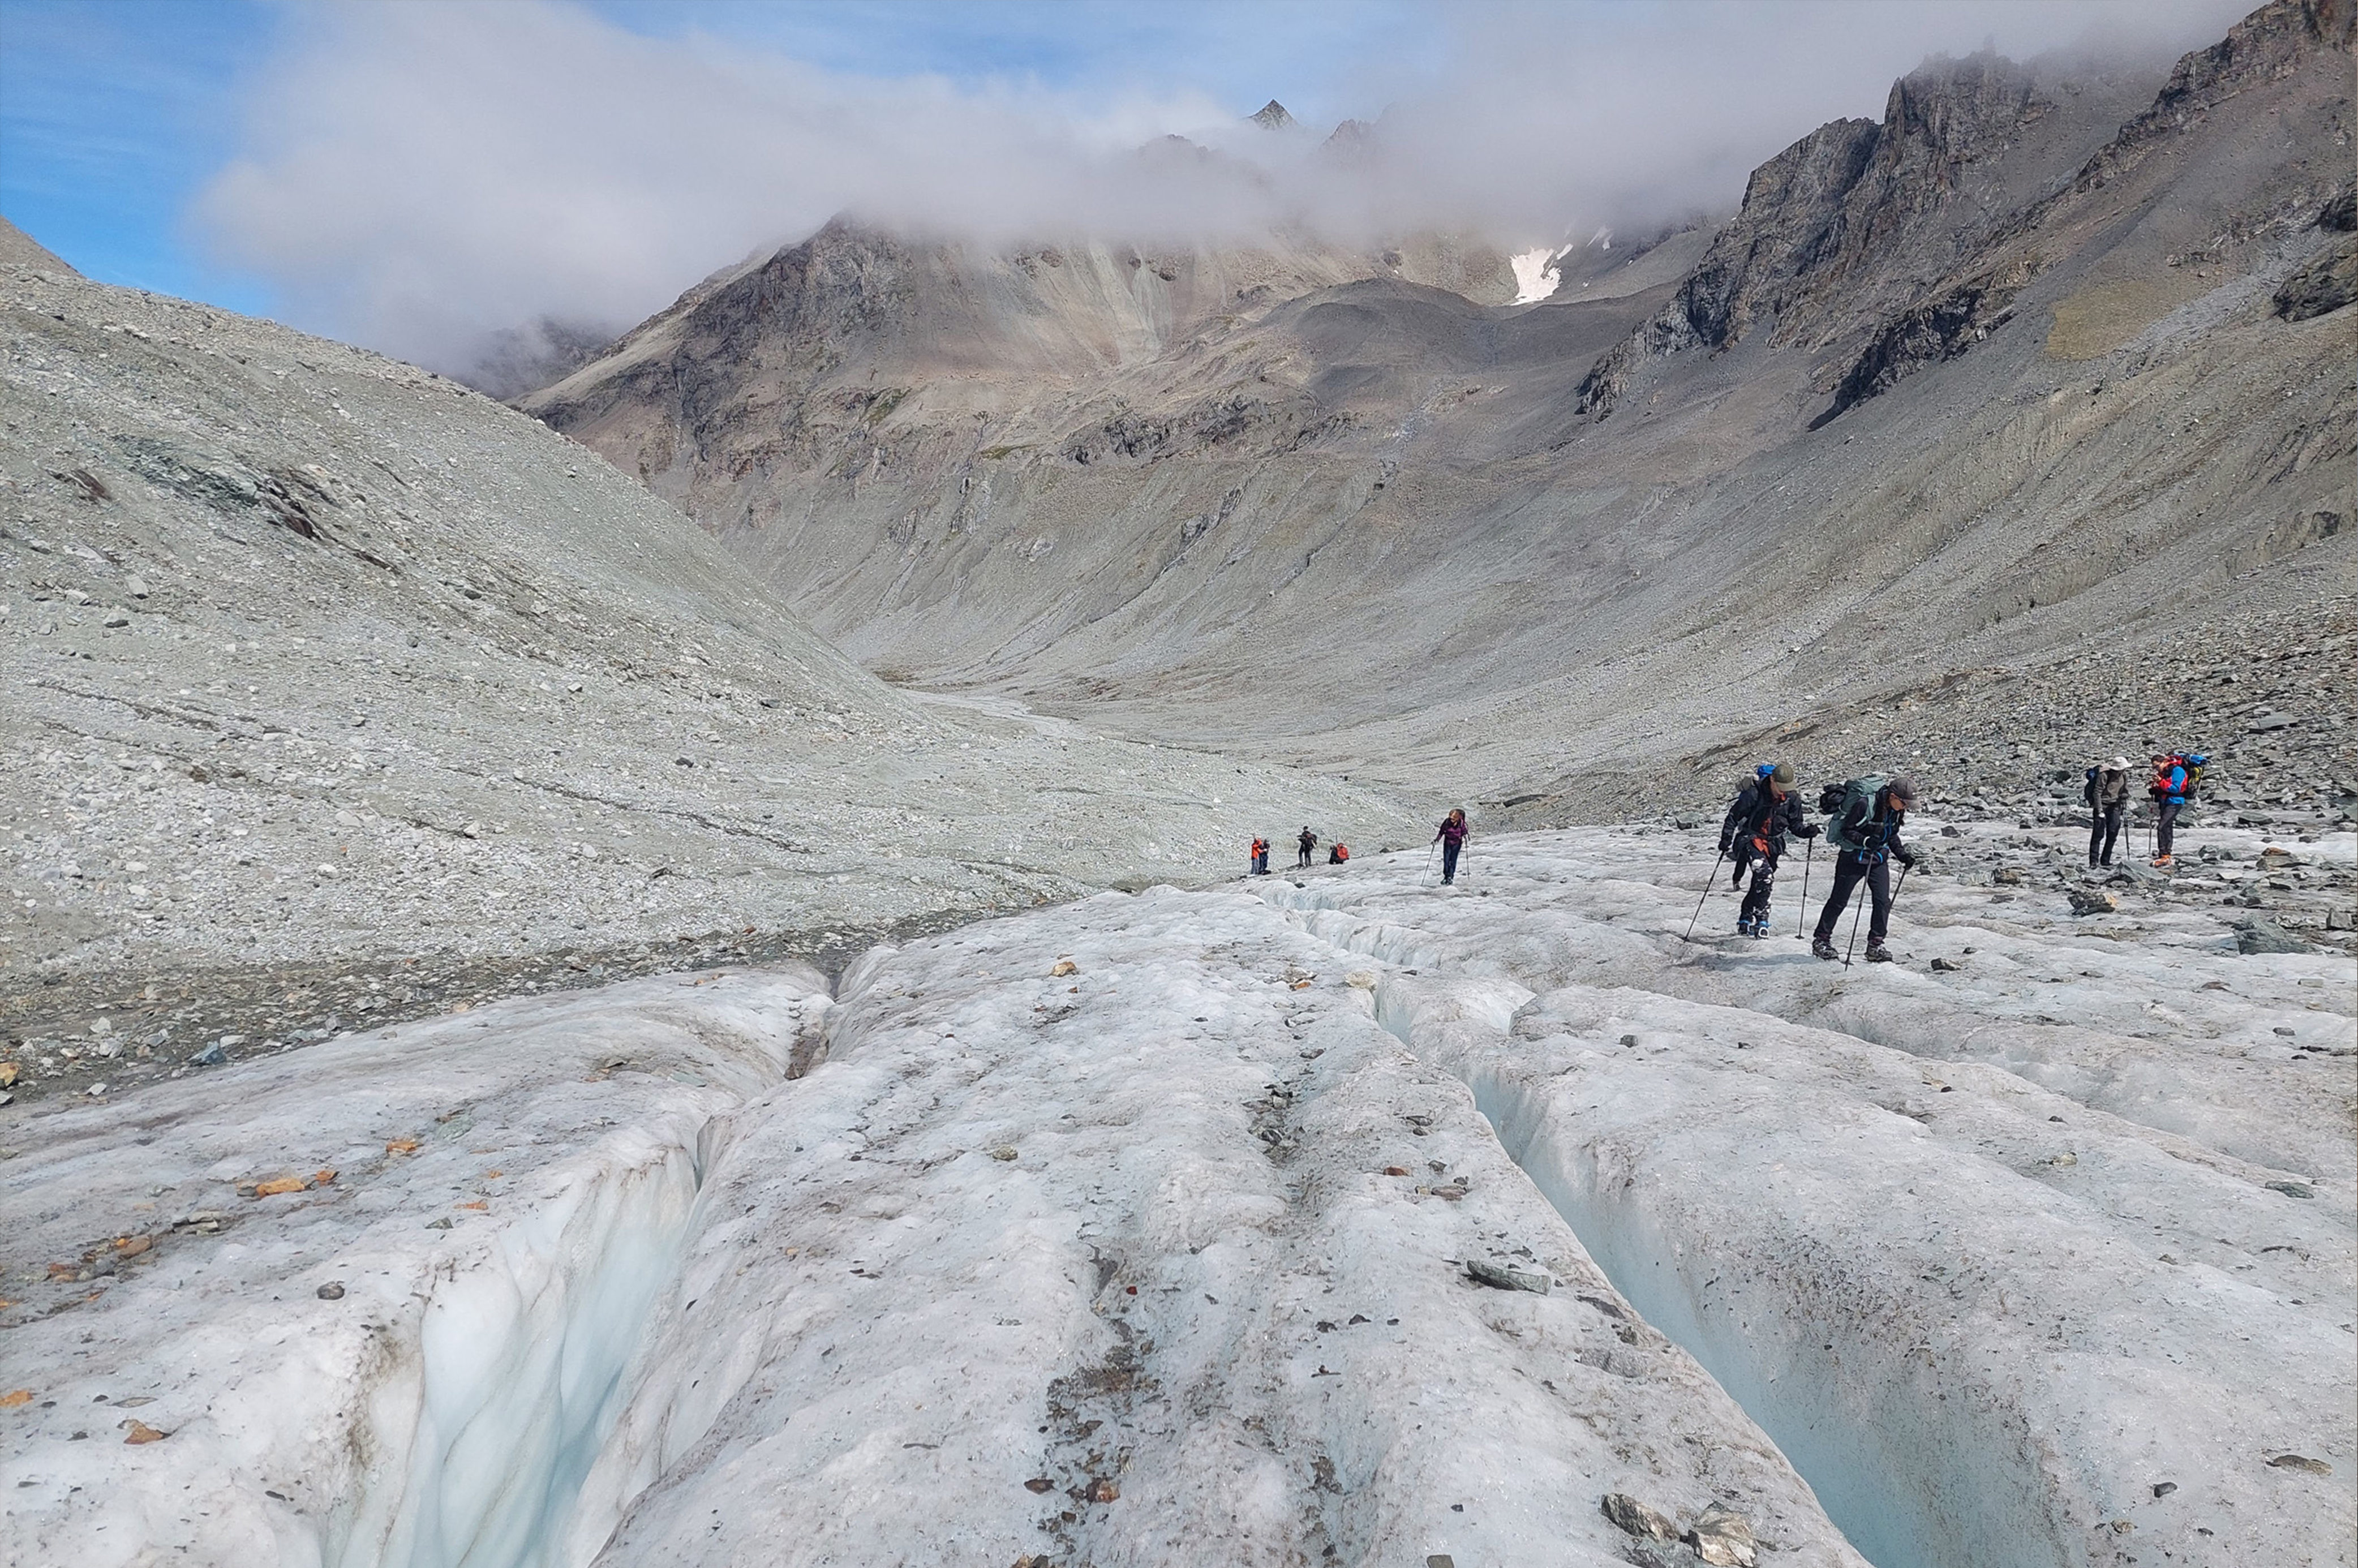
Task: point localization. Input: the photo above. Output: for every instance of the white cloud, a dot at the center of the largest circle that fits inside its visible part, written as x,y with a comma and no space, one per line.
416,174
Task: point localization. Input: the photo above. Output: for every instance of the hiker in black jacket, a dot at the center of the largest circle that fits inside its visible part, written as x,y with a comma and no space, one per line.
1754,831
1866,838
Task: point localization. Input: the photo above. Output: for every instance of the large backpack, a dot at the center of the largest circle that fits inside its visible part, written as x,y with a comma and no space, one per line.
1838,800
2191,762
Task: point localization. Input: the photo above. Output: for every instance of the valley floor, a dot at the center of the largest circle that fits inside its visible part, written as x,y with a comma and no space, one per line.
1338,1217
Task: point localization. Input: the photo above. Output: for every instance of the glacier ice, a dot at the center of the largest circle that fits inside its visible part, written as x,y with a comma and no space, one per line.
1163,1257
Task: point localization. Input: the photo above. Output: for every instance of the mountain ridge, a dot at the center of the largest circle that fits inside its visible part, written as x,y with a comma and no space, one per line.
2010,347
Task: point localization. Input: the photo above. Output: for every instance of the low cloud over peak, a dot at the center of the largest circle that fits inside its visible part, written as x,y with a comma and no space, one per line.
417,175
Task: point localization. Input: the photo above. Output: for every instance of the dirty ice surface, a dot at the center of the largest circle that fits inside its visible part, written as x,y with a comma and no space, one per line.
1139,1230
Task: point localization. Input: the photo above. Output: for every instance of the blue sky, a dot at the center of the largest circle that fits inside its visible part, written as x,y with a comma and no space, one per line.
112,115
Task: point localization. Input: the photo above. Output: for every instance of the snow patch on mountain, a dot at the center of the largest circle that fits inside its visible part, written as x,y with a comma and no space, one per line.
1535,273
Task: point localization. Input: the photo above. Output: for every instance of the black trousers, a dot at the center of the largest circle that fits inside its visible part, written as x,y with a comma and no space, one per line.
1302,859
1449,848
1848,874
2102,832
2165,827
1764,882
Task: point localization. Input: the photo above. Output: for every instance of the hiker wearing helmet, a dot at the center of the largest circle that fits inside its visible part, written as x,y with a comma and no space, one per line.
1307,842
1865,834
1754,831
1452,838
2107,794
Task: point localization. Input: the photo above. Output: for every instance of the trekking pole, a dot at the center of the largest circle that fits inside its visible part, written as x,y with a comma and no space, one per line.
1858,888
1430,850
1802,918
1707,886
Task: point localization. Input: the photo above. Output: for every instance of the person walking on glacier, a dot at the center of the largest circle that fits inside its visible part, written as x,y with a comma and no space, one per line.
2107,794
1754,831
2176,778
1452,839
1865,834
1259,856
1307,842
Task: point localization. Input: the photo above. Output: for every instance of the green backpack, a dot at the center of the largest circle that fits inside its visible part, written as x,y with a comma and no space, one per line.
1838,800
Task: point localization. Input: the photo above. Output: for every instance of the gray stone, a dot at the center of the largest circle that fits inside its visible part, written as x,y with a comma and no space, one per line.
211,1056
2091,901
1637,1519
2261,935
2292,1189
1499,1277
1723,1538
2266,722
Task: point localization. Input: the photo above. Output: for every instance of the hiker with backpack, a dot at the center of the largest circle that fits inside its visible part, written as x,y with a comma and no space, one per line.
1754,831
1338,853
1259,856
1308,841
2107,794
2176,778
1868,813
1452,839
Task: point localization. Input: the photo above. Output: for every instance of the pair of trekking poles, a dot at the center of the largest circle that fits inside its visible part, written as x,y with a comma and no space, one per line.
1801,917
1465,862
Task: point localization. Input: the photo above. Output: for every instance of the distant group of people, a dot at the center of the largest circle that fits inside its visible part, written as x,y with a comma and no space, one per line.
1450,836
1306,844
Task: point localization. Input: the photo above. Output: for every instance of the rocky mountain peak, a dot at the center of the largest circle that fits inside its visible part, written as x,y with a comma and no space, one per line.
1273,116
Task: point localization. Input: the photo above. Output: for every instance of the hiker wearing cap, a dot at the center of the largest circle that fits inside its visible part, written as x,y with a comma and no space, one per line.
1752,833
2107,794
1865,834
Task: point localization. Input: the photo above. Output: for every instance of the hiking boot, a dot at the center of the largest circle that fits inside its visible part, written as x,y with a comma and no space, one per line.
1744,925
1761,928
1876,953
2165,861
1822,948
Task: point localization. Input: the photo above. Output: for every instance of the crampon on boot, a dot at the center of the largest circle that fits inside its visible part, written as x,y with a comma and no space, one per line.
1822,948
1876,953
